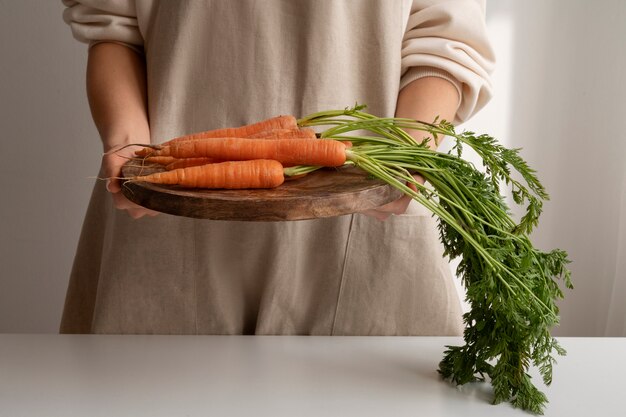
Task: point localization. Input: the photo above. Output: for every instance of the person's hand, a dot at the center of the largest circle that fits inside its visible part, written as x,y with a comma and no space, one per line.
395,207
112,161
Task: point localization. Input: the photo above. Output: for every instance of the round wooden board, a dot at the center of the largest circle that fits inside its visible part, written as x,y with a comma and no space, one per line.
323,193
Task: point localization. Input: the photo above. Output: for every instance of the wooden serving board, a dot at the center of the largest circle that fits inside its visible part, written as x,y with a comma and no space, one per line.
323,193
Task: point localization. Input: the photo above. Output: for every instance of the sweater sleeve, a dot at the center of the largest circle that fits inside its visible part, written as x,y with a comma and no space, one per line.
95,21
448,39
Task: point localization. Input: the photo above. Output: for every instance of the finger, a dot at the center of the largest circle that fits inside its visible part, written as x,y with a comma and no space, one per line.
134,210
112,162
141,212
396,207
111,187
400,206
378,215
419,179
135,213
111,169
384,212
121,202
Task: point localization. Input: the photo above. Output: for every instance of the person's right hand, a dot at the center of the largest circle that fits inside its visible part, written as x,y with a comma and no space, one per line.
111,169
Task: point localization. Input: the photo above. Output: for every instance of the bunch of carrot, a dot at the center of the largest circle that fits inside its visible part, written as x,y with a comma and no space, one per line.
258,155
512,287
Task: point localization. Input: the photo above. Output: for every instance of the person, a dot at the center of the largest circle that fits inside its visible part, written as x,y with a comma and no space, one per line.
157,70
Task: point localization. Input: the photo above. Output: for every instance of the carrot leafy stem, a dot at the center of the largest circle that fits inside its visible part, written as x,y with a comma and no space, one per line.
511,286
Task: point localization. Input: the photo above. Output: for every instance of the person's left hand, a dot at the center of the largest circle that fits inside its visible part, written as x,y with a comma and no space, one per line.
397,207
112,160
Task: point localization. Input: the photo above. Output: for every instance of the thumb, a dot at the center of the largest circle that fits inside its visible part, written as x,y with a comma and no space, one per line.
113,185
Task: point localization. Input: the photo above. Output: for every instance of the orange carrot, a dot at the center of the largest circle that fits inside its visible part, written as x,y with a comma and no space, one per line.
162,160
188,162
230,175
318,152
274,123
279,122
305,133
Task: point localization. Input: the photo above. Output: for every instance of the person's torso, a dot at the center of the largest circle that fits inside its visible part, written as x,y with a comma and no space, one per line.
218,63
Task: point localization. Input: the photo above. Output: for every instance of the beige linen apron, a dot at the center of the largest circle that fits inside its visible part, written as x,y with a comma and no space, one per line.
227,63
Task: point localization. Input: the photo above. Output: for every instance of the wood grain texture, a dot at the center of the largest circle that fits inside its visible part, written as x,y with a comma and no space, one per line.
323,193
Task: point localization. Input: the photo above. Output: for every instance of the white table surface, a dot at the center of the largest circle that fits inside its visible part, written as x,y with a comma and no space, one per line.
90,375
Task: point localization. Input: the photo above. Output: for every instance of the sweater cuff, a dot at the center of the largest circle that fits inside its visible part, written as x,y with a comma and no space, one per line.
415,73
135,48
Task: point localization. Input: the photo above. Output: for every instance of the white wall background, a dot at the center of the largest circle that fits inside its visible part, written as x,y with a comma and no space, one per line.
49,147
559,94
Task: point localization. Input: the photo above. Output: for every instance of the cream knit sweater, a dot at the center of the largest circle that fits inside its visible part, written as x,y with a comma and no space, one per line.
443,38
